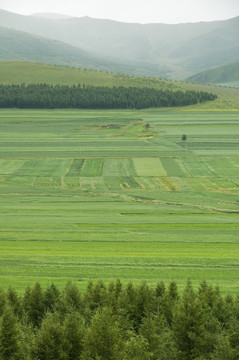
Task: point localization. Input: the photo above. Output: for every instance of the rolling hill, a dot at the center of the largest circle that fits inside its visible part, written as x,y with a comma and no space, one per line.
176,51
228,75
18,72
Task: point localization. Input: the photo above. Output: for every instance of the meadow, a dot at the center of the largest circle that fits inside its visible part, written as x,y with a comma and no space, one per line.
88,195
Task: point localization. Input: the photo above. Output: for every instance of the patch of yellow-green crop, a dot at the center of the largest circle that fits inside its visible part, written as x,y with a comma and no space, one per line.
149,167
118,167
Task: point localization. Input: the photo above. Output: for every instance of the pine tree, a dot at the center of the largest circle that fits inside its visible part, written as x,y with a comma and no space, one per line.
35,305
160,289
156,331
194,327
49,340
51,297
136,348
72,297
223,349
2,301
14,301
73,336
10,344
103,340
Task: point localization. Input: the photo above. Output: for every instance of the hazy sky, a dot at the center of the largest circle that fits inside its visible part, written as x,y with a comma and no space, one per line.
142,11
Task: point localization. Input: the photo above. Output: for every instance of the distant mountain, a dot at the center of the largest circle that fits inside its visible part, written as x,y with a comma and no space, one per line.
221,75
17,45
52,16
176,51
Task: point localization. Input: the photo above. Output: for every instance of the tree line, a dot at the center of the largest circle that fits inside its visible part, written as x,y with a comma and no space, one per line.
45,96
117,322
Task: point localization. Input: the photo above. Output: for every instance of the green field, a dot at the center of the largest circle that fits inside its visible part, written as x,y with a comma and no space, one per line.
98,194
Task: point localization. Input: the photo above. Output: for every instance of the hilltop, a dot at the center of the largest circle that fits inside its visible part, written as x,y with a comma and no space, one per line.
19,72
228,75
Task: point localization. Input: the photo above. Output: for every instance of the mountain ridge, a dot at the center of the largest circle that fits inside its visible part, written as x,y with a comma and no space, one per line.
18,45
177,49
51,16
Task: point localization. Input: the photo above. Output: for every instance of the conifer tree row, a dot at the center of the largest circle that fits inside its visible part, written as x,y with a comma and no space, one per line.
117,322
44,96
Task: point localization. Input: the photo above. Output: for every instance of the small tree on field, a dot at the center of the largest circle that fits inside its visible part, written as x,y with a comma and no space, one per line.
184,138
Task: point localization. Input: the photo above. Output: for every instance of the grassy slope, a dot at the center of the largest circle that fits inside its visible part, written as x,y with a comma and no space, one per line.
30,72
222,75
19,72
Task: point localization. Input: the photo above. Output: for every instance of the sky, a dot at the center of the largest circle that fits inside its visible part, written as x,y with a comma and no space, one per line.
136,11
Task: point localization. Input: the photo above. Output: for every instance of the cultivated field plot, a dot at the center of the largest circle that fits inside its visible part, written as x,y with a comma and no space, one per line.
88,195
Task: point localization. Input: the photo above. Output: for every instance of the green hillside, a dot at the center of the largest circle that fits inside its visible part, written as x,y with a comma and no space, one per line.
17,72
228,75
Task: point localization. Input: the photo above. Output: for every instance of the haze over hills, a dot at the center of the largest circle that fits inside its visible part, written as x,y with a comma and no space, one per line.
18,45
173,51
52,16
228,74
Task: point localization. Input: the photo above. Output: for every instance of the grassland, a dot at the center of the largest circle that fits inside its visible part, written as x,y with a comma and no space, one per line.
98,194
